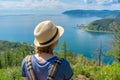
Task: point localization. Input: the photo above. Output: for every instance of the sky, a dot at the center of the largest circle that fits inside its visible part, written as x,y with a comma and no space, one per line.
57,5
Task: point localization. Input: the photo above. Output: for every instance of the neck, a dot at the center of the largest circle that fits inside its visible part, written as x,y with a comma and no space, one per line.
43,56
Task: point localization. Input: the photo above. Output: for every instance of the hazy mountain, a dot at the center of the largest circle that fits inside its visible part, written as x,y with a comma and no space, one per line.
90,13
113,15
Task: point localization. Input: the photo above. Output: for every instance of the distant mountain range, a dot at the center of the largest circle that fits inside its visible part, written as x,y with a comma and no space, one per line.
93,13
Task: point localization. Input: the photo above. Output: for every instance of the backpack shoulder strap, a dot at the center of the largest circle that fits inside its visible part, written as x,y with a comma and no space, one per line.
29,67
54,69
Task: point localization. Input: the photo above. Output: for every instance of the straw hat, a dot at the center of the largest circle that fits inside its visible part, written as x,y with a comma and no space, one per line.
47,33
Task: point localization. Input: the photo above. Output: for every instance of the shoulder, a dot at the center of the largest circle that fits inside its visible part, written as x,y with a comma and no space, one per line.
25,59
66,68
23,68
64,62
23,65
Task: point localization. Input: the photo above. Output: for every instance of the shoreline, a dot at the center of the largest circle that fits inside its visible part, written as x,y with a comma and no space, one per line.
88,30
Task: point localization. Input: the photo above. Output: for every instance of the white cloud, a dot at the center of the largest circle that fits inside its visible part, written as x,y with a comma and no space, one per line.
48,4
14,4
31,4
101,2
99,7
89,1
59,4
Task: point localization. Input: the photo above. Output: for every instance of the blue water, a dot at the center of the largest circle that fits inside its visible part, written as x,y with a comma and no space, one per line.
19,28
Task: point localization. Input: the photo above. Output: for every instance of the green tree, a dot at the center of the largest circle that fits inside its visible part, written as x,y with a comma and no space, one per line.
99,54
9,58
119,1
115,28
0,60
0,64
63,49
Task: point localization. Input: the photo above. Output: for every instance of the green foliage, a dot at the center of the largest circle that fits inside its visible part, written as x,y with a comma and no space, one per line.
106,72
103,24
10,74
80,65
89,68
110,72
12,53
63,49
11,56
115,52
119,1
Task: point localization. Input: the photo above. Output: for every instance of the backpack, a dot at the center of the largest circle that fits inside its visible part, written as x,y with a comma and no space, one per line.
52,72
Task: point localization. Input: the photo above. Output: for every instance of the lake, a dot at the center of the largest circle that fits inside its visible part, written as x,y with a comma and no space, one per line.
19,28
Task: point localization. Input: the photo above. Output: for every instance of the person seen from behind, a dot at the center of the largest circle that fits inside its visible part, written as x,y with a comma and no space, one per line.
43,64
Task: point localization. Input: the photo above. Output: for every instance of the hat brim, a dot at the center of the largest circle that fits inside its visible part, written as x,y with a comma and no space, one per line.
60,32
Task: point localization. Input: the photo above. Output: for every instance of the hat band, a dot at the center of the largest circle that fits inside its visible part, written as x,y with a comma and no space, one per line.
50,39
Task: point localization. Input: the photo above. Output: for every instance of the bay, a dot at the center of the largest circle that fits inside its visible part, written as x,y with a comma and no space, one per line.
19,28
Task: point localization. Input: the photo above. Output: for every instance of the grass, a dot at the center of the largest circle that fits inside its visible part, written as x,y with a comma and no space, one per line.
10,74
80,66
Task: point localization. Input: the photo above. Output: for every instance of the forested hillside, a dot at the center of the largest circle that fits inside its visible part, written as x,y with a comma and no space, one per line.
12,53
104,24
7,45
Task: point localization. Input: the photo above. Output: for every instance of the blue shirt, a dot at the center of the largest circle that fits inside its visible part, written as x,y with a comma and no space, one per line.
41,69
